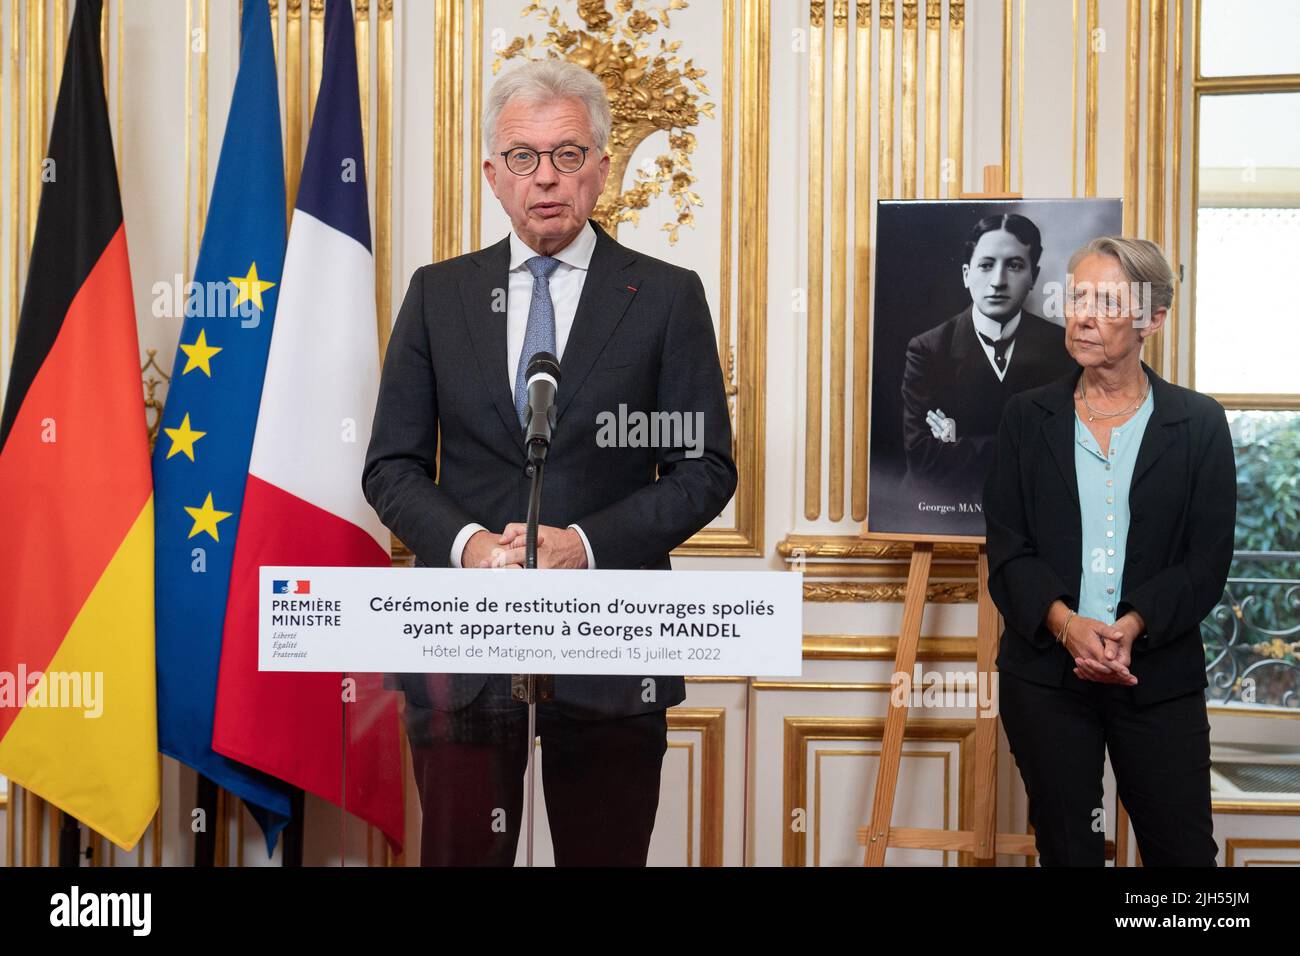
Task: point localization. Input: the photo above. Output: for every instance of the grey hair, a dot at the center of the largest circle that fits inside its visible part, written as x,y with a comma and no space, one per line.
1143,264
543,81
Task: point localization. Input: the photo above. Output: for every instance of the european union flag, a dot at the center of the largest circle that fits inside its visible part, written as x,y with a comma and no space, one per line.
200,463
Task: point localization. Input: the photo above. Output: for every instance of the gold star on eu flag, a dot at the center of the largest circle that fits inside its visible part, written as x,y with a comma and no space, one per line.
206,518
250,287
183,438
199,354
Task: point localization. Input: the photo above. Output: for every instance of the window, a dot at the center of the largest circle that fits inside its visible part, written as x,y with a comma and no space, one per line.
1249,38
1245,332
1252,638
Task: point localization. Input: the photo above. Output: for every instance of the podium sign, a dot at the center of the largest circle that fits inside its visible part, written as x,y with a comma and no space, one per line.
472,621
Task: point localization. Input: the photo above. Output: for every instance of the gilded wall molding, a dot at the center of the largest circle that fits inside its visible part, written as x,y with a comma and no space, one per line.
884,647
293,139
839,255
1260,808
862,248
840,568
1090,102
908,147
1157,101
710,723
1132,74
840,592
1234,845
1020,100
36,110
1173,324
956,95
746,373
815,546
1006,95
800,732
202,171
449,133
885,105
315,52
361,33
822,754
933,95
14,191
816,263
475,112
383,173
837,372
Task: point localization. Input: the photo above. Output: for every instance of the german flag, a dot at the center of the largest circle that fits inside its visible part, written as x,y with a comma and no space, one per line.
77,695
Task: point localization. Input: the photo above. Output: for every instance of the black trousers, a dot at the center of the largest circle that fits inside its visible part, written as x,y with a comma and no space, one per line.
600,778
1160,755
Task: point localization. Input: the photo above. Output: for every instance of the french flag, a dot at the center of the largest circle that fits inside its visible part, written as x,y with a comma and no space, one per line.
303,503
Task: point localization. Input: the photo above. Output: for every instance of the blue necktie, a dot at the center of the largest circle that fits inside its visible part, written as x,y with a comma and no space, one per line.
540,334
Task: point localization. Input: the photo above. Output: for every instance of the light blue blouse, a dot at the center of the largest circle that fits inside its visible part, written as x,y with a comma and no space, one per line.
1103,508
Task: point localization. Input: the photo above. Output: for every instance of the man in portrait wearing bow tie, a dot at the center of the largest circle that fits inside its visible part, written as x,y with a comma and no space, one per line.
445,471
960,374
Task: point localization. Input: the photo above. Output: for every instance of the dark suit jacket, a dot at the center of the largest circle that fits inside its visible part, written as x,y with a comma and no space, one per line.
642,336
948,368
1183,501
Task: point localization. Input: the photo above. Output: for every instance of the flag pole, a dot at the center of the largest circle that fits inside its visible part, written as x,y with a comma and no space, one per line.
205,840
70,841
291,847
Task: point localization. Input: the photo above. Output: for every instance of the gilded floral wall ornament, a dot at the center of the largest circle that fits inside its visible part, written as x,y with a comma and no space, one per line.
650,89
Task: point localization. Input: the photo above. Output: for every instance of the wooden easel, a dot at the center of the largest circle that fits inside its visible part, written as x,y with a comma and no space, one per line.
983,841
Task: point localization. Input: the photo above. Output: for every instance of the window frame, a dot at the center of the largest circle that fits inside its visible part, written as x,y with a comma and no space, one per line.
1203,86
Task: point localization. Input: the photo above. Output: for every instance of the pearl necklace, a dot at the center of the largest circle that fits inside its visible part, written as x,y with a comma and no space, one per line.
1083,392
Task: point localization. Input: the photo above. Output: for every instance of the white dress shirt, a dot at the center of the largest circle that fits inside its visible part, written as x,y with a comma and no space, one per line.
566,289
995,330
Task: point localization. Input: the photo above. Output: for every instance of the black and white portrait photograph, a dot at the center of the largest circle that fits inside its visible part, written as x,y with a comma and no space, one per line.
968,311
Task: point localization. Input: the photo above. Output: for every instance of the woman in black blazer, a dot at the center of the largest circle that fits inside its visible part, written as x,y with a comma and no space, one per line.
1110,512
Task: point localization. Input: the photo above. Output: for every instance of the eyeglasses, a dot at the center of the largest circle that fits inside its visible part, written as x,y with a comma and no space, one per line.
566,159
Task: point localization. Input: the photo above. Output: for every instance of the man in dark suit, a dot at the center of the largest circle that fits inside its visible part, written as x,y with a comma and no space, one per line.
445,472
960,374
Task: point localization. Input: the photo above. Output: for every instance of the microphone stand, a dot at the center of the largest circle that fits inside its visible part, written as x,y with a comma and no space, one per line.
536,465
528,687
542,369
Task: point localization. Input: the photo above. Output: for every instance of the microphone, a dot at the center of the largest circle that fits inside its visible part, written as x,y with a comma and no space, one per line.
543,377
